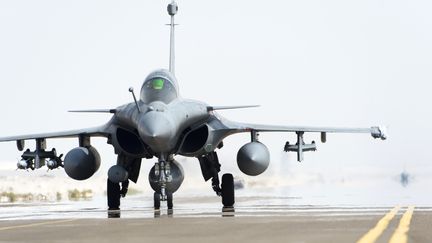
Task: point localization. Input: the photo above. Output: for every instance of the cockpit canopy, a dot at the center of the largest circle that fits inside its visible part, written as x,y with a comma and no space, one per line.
160,85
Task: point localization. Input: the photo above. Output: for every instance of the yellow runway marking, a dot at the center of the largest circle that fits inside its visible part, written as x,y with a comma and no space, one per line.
373,234
36,224
400,234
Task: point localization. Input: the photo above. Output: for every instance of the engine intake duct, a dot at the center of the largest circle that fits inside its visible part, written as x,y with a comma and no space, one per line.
194,140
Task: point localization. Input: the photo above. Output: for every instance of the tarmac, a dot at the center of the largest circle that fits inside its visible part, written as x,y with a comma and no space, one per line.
254,219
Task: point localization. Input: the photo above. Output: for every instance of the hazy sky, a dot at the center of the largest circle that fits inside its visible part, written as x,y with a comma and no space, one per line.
324,63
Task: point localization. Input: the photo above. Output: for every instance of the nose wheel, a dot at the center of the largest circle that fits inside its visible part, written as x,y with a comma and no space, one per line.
227,190
157,198
170,200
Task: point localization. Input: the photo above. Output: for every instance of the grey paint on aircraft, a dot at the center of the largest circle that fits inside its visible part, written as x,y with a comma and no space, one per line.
163,124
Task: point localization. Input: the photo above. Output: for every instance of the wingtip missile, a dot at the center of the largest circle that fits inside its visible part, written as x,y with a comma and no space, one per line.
379,132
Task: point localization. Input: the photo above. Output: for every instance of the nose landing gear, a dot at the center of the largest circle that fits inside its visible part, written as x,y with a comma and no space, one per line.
157,200
165,178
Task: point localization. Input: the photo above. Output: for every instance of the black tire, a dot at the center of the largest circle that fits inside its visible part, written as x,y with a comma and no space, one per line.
227,190
113,195
156,200
169,200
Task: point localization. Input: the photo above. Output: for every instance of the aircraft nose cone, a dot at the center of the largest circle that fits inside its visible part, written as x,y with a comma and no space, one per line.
156,131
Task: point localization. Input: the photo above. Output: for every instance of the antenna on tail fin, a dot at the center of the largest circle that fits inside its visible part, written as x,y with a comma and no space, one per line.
172,10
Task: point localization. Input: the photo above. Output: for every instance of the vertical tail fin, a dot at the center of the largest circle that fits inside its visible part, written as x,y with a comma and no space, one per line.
172,10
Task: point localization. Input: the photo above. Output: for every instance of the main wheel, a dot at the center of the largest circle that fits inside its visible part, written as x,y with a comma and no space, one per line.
156,200
113,195
228,190
169,200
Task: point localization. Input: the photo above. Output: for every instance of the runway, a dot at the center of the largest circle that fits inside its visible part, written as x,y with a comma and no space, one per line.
254,219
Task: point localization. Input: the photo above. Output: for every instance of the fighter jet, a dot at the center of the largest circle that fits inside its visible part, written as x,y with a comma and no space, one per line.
161,124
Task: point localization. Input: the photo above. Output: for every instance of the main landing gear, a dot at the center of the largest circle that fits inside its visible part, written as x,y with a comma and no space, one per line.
114,192
166,177
210,168
227,190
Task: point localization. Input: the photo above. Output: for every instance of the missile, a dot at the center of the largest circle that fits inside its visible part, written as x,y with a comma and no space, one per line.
23,164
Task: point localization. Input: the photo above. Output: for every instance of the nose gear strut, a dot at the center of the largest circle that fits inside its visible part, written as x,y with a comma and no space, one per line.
163,173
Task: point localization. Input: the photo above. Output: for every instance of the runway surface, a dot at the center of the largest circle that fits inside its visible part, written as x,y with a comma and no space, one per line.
201,219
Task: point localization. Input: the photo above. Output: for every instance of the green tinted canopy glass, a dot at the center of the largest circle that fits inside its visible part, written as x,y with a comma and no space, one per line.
158,83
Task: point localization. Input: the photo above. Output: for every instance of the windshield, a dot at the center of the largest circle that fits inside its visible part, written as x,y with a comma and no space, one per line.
157,83
158,89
